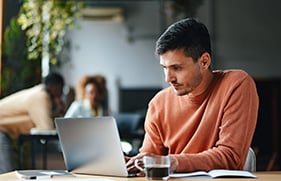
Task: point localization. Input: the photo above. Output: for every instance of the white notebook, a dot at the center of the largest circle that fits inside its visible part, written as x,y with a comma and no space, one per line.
218,173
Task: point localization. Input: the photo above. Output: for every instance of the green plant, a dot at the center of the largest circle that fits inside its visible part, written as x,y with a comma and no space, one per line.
18,72
39,28
45,23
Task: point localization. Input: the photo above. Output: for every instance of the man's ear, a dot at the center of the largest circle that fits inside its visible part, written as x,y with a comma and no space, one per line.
205,61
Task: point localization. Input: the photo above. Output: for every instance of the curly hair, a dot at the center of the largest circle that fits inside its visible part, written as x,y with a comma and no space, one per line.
98,80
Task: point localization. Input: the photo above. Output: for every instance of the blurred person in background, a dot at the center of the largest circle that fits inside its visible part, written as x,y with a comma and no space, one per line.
91,98
24,110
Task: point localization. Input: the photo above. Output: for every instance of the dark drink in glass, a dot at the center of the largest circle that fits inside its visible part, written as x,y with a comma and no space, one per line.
157,172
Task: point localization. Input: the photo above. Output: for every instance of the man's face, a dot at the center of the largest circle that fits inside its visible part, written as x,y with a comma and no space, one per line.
181,72
56,90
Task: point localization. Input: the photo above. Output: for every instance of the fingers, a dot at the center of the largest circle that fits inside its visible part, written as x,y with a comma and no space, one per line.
127,158
131,164
131,161
136,171
140,174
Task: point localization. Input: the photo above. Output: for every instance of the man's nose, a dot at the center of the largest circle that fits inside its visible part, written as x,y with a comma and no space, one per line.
169,77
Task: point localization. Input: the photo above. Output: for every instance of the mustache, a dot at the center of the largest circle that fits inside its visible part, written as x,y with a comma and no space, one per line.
175,83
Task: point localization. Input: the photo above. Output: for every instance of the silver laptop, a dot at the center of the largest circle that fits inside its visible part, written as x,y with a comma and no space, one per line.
91,146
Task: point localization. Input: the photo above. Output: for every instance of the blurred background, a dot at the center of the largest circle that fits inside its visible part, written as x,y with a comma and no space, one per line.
116,38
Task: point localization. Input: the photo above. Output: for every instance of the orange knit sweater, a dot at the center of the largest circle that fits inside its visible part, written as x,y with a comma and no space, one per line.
210,131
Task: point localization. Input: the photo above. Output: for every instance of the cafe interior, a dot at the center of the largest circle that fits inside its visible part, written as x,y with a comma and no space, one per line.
245,35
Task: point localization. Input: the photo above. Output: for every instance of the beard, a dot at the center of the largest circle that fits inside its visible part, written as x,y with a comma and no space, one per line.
182,89
181,92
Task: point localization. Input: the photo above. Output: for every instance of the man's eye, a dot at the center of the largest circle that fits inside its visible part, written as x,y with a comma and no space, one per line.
176,68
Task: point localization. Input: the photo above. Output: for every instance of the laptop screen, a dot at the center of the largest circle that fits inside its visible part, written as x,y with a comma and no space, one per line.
91,145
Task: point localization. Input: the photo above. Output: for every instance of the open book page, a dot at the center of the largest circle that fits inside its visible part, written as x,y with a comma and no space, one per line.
190,174
230,173
215,174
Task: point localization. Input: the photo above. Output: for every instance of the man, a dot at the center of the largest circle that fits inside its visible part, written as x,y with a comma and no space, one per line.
206,119
30,108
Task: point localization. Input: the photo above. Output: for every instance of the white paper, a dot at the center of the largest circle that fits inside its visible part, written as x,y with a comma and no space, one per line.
215,174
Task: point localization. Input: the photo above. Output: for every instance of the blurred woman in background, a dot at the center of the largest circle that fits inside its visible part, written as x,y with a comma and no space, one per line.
91,98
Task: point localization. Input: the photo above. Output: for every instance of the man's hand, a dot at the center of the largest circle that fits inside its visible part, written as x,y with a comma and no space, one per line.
131,164
133,169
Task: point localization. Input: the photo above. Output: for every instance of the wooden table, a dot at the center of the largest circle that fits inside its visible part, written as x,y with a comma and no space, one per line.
262,176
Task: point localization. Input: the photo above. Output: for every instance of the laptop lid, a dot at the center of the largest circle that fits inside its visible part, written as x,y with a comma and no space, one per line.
91,146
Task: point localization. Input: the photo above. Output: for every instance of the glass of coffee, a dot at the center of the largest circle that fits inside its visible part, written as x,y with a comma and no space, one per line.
155,167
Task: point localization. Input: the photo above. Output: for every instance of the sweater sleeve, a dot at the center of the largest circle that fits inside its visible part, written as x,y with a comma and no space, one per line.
153,143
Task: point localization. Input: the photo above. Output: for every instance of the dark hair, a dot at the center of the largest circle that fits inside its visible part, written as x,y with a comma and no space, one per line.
53,79
93,80
187,34
98,80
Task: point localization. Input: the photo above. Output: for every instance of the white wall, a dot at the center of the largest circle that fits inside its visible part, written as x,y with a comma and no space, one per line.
104,47
246,35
